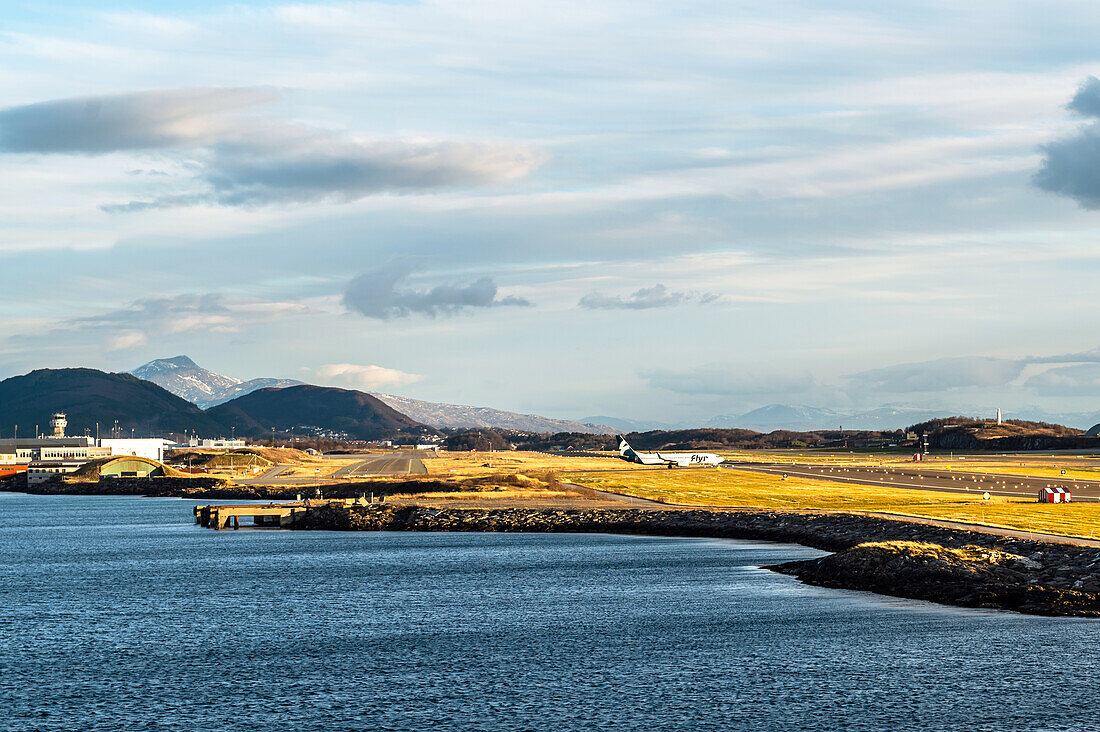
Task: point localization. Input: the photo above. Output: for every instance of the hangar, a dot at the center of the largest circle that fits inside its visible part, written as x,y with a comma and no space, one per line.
122,466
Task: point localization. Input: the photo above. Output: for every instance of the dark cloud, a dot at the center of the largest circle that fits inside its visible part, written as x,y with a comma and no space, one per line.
323,167
376,295
142,121
288,167
1071,166
657,296
939,375
1086,101
245,160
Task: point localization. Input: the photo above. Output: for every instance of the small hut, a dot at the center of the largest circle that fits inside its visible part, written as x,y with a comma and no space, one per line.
1054,495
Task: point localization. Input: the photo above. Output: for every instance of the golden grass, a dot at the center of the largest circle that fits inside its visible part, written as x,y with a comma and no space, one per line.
467,465
737,488
734,488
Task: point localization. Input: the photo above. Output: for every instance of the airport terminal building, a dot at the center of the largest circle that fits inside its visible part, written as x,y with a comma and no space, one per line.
47,456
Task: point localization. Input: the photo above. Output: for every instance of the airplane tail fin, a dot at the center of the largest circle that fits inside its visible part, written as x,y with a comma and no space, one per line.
625,450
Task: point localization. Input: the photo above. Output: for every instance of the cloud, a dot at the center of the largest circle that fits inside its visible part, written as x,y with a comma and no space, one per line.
376,295
148,120
1086,101
730,381
181,319
125,341
1067,381
657,296
315,167
368,378
940,375
1071,166
132,326
248,160
175,314
286,166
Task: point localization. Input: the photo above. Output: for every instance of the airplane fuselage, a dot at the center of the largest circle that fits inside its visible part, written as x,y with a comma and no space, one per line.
671,459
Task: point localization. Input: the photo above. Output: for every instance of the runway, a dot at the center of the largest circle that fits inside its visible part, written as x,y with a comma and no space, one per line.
400,463
954,481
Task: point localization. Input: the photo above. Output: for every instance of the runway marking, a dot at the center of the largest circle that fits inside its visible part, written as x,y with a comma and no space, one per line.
864,481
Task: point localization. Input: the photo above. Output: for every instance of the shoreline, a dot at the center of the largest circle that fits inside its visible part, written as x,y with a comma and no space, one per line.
882,555
889,554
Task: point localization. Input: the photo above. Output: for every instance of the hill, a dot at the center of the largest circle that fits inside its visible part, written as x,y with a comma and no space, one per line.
186,379
88,396
323,409
967,433
205,388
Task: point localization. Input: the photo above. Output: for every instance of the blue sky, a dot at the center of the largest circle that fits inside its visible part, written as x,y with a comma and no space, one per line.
662,211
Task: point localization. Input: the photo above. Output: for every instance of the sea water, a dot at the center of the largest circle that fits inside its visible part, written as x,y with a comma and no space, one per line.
119,613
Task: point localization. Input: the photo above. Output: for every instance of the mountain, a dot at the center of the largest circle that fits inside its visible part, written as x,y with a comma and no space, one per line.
780,417
358,415
624,426
802,418
88,396
185,378
457,416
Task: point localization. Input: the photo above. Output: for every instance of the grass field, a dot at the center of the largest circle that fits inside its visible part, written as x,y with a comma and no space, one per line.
466,465
733,488
507,479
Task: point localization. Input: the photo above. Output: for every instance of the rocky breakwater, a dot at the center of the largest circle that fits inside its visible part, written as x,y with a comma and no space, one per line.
1046,583
886,556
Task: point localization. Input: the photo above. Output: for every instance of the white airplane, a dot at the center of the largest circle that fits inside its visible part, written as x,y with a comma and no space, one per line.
671,459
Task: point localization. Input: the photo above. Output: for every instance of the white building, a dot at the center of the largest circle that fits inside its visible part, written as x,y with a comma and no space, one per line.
52,448
219,444
151,448
40,472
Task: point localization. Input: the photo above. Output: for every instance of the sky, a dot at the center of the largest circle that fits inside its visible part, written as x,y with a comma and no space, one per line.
656,211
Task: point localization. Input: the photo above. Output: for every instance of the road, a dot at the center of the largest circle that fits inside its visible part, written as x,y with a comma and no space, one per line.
273,472
398,463
953,481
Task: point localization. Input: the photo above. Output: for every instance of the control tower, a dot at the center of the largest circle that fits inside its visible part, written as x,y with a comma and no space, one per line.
59,423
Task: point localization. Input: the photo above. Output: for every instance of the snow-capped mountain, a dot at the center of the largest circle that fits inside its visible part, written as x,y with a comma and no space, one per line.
779,416
459,416
185,378
801,418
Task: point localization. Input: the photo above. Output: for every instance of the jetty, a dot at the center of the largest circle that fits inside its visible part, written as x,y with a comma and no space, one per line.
269,515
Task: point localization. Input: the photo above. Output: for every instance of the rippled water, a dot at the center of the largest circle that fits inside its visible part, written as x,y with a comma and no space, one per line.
117,613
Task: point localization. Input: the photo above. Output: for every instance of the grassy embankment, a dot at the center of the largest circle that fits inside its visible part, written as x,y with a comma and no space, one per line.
741,489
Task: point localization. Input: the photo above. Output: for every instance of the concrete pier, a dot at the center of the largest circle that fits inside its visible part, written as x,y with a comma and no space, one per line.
271,515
